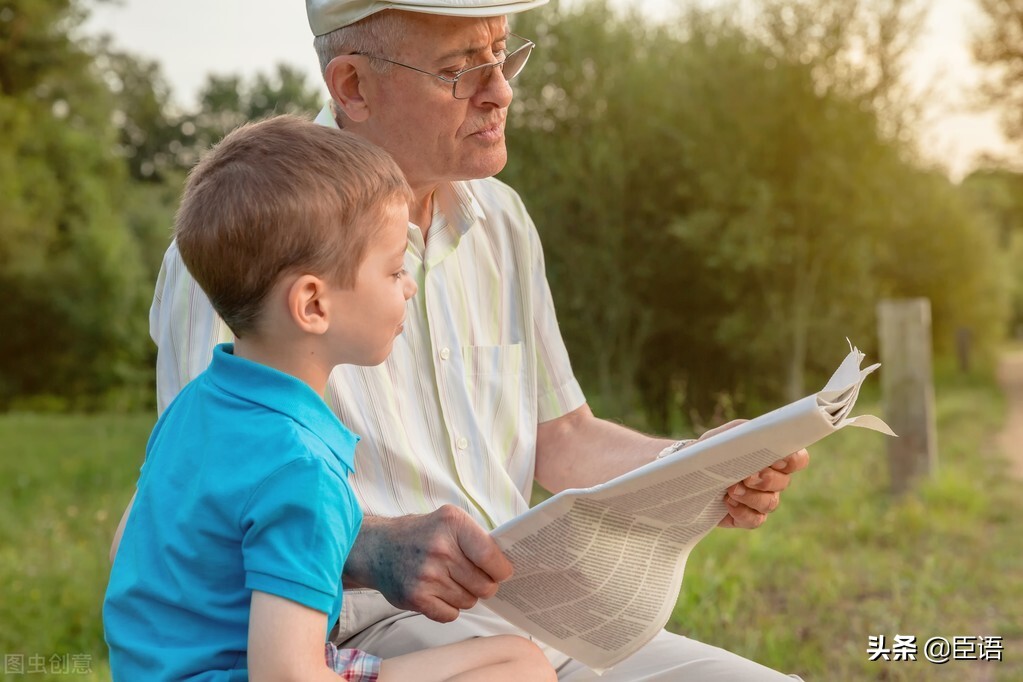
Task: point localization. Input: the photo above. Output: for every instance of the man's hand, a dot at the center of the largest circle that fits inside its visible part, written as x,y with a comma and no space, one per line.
436,564
750,501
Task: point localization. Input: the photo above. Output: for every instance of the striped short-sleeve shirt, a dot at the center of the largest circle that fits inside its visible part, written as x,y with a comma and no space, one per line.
451,416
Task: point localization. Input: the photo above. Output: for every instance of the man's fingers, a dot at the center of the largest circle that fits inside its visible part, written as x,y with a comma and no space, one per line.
453,594
741,516
752,499
762,502
479,548
439,592
797,461
473,580
768,480
437,609
777,477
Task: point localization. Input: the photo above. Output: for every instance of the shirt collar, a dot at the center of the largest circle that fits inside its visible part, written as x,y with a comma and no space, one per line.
460,206
285,394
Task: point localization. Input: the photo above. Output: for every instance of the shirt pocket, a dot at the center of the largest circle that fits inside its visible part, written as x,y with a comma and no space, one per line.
493,378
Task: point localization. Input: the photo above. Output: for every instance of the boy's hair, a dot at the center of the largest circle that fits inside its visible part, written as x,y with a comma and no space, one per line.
283,195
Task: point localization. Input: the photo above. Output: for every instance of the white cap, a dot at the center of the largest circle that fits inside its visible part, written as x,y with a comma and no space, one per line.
328,15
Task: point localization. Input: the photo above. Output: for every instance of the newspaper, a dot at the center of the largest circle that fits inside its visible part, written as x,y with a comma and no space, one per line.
598,571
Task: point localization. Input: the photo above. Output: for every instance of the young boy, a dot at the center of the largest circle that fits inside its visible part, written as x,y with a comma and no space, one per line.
229,567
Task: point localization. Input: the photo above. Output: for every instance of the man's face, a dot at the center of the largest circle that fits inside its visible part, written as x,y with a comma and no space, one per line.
433,136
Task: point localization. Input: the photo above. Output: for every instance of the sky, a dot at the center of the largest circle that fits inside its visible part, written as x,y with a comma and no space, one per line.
192,38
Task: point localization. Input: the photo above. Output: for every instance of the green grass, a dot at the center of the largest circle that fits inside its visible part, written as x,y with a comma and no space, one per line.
839,561
842,559
65,481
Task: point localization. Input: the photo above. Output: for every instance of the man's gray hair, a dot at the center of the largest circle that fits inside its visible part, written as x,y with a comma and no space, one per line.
377,35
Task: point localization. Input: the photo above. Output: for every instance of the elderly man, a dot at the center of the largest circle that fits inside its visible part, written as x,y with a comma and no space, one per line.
478,398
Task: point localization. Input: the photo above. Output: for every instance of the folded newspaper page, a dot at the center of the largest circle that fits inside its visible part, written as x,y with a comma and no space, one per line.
598,571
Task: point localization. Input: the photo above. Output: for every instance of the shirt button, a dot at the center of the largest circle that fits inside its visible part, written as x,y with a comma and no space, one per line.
462,443
445,353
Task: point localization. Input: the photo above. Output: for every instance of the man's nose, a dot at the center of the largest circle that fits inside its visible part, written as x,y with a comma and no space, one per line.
495,88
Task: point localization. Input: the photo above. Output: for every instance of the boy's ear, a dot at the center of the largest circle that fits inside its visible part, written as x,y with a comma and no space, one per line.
309,304
343,77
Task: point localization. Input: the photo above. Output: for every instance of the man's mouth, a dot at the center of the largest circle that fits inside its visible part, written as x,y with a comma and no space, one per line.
490,130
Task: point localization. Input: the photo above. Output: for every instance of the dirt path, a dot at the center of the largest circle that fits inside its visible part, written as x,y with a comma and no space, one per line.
1010,376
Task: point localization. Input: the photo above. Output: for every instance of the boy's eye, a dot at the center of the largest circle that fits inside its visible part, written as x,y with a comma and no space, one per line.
401,273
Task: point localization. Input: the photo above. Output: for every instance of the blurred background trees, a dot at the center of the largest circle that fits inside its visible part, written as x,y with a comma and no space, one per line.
723,198
999,47
92,157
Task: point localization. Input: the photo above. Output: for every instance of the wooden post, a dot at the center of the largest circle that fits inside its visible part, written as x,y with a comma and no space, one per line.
904,328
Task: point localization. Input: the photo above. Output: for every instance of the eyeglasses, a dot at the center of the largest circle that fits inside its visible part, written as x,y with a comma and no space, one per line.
468,82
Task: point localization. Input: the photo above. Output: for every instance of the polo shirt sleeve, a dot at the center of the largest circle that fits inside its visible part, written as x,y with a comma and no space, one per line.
297,530
557,390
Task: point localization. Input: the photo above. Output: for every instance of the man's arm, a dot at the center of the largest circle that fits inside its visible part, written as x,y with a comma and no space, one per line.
578,450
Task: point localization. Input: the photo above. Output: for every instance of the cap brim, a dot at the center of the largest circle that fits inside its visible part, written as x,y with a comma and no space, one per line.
328,21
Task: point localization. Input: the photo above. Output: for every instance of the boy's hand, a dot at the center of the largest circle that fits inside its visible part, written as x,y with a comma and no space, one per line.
437,564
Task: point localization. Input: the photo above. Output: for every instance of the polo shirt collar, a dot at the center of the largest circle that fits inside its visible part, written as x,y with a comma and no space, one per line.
262,385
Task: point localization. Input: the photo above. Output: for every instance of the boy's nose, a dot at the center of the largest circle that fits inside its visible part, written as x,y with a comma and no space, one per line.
410,288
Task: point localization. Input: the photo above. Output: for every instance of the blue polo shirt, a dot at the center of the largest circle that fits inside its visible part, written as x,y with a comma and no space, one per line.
244,487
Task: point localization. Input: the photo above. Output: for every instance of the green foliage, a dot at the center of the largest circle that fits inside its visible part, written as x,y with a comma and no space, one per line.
227,102
149,133
998,45
92,157
937,246
722,203
69,274
722,198
997,195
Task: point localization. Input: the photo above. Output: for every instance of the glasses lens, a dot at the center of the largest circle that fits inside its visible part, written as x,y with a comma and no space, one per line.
471,80
515,62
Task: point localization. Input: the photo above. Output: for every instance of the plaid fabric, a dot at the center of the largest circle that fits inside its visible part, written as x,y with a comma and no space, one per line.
352,665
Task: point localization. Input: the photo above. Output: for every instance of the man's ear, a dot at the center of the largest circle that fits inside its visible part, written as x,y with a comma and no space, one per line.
343,77
309,304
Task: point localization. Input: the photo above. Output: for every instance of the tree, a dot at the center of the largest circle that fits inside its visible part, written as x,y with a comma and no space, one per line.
149,130
228,101
68,273
999,47
721,204
997,196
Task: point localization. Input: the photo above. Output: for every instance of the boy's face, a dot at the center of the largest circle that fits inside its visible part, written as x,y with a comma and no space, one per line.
372,311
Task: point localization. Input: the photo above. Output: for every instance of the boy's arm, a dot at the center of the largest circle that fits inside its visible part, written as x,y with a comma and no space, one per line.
286,641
